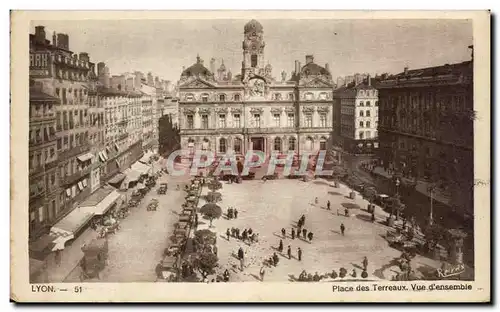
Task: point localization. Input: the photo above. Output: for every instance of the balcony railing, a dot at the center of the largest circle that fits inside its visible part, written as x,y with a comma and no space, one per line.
75,176
74,151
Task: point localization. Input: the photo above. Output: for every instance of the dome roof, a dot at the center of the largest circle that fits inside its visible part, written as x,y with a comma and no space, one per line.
253,25
197,69
314,69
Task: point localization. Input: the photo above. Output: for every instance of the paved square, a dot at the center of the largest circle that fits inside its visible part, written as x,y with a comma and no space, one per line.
266,207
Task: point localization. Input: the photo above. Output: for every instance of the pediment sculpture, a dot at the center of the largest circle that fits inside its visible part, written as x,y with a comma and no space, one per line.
204,111
308,109
276,110
323,109
256,110
235,110
189,111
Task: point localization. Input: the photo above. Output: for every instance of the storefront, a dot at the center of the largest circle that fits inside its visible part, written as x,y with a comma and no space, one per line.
70,227
131,178
102,201
143,169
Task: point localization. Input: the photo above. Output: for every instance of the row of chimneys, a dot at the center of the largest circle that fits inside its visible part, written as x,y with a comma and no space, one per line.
58,40
309,59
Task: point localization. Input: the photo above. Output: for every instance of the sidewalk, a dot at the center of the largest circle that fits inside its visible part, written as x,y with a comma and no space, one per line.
421,186
70,257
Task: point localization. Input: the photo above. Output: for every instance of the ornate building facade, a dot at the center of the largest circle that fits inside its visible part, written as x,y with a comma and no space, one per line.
253,110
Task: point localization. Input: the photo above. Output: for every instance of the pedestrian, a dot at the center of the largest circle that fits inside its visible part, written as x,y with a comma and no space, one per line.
241,253
304,233
342,229
262,273
250,231
226,276
289,252
353,274
283,232
299,254
275,259
316,201
365,263
293,233
227,233
373,217
244,235
346,212
298,232
310,236
237,233
328,205
280,247
303,218
235,214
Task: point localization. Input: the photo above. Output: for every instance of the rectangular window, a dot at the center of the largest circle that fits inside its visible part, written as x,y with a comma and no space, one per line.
190,121
41,214
64,99
204,121
236,121
276,118
322,120
222,121
308,120
253,60
256,118
291,120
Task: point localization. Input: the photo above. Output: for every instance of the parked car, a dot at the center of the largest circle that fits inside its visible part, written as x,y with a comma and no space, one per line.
162,189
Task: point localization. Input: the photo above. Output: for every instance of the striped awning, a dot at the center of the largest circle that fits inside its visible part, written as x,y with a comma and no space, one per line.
85,157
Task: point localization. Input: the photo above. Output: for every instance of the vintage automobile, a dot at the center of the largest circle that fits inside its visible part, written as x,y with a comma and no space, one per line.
153,205
172,251
95,255
167,269
162,189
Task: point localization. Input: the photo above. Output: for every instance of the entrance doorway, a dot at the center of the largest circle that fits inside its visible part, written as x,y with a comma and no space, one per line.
257,144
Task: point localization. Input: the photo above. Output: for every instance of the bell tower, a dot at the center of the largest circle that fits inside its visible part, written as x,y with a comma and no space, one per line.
253,50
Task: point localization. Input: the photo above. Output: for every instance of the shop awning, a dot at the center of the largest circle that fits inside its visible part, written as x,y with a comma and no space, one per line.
42,244
103,199
85,157
141,168
65,229
118,178
132,175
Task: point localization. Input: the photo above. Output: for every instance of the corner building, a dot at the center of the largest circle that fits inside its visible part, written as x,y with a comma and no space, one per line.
253,110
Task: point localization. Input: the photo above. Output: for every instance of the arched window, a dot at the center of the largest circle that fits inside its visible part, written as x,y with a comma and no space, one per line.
361,113
222,145
222,97
368,124
253,60
323,96
236,97
290,96
309,144
237,145
322,143
361,103
190,142
376,103
367,113
368,134
361,135
189,97
291,144
361,124
308,96
277,144
368,103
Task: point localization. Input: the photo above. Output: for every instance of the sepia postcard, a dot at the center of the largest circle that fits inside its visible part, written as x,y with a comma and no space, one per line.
250,156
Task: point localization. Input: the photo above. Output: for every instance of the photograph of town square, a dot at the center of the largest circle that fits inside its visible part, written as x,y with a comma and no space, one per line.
262,150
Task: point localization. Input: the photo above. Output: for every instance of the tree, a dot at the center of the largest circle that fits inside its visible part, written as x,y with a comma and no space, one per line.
204,237
211,211
213,197
214,185
205,263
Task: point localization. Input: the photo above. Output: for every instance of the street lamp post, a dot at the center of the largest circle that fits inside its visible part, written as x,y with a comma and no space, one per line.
431,218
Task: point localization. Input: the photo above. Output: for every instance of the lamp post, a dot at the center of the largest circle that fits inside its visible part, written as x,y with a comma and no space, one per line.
431,218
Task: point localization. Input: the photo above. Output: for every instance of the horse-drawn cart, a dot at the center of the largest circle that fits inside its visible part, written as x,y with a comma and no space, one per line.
94,259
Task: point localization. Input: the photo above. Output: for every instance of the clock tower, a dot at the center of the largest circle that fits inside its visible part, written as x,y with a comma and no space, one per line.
253,50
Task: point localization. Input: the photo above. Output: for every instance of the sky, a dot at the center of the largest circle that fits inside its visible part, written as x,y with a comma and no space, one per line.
349,46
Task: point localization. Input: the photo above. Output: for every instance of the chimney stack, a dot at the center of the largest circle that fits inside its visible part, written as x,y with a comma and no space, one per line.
54,39
84,56
212,65
327,67
40,34
369,78
406,70
100,68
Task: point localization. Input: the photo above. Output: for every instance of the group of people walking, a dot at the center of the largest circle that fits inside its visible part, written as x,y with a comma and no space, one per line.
245,235
232,213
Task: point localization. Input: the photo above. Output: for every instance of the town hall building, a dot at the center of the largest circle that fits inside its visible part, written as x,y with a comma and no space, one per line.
253,110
